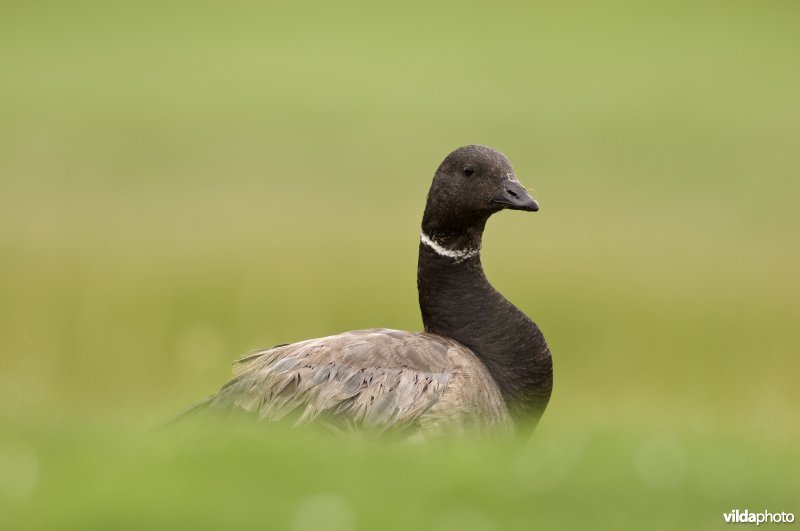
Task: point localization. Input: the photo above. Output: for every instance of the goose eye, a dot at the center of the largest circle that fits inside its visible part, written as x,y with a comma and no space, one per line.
468,170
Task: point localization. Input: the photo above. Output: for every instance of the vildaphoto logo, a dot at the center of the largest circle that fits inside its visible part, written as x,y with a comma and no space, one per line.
746,517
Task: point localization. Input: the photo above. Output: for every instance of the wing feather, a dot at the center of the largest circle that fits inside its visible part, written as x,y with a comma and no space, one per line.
376,378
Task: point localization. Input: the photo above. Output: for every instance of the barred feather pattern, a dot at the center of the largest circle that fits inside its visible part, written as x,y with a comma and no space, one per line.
381,379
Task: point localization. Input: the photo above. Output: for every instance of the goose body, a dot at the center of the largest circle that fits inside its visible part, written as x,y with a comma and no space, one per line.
376,379
481,365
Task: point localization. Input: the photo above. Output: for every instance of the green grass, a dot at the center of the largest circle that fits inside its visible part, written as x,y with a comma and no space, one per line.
181,183
598,475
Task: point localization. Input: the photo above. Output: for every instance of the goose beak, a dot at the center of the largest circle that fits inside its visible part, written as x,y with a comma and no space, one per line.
513,196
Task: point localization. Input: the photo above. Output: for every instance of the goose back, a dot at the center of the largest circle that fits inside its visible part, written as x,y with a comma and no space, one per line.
377,378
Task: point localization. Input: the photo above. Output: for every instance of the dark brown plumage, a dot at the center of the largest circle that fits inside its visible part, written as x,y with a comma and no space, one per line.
481,365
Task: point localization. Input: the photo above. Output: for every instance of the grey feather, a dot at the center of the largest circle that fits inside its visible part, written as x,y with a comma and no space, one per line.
378,378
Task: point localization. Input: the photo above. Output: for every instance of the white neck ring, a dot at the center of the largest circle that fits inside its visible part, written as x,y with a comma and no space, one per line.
457,255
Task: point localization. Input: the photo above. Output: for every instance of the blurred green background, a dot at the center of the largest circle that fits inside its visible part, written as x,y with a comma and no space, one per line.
181,182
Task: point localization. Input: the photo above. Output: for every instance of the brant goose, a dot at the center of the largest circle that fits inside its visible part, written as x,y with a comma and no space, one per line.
481,365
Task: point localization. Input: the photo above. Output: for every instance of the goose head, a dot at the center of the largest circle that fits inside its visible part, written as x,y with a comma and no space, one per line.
472,183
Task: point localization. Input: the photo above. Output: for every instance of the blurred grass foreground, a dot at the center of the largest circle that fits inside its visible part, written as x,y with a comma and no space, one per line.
183,182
